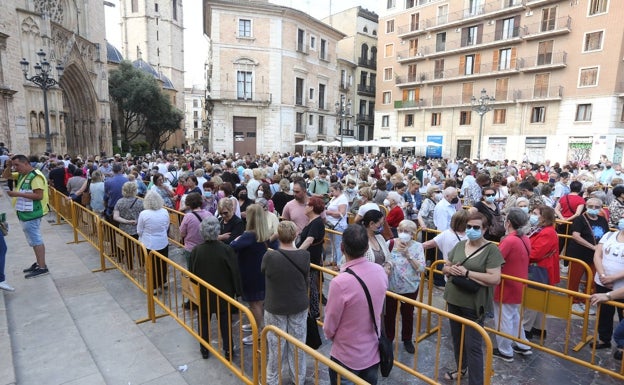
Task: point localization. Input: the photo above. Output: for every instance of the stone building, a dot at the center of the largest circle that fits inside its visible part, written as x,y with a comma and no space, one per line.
196,130
273,77
554,68
72,34
152,31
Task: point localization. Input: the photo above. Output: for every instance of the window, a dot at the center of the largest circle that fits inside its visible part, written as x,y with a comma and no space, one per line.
509,29
175,9
470,36
549,16
502,89
411,94
388,74
504,59
588,77
299,123
135,5
411,72
499,115
538,114
244,28
540,87
464,118
195,103
390,26
593,41
467,92
544,52
299,91
437,96
442,14
155,7
321,96
195,125
414,21
389,51
622,115
323,54
440,41
597,6
321,124
243,85
387,97
391,4
195,114
469,64
438,71
413,47
311,94
301,40
310,120
409,120
385,121
410,3
436,118
312,42
475,7
583,113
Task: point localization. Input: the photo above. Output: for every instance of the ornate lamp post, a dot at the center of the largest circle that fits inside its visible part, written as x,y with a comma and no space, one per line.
481,106
343,111
44,80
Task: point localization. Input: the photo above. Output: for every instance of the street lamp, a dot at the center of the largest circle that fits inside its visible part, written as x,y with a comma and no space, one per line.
343,111
481,106
43,78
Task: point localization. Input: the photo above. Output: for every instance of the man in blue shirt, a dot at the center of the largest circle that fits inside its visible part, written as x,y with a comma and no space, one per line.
112,188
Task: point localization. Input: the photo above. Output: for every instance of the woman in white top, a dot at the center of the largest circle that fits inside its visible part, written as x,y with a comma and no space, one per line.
446,240
366,203
152,228
337,218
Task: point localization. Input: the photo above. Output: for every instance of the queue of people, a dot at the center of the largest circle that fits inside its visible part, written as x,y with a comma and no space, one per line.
393,201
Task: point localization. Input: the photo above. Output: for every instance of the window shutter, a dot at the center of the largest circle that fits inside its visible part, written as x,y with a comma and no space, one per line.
477,63
495,60
513,58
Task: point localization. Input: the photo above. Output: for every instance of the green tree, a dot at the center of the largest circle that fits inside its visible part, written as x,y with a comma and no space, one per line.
144,109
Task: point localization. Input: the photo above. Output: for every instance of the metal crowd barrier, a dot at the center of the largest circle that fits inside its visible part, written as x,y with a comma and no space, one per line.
299,350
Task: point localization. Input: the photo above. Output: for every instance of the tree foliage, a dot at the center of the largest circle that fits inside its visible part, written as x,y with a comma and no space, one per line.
144,109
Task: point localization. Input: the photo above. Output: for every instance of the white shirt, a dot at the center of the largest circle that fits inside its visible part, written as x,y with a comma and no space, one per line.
152,228
366,207
612,258
334,203
442,214
446,240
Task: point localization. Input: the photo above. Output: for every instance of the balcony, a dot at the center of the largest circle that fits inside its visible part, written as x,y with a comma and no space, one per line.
409,103
488,40
344,85
489,10
543,62
346,132
484,70
365,118
544,94
365,90
233,97
410,30
541,30
368,63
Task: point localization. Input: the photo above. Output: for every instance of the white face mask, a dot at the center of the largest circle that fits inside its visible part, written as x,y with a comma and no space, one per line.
259,193
405,237
386,203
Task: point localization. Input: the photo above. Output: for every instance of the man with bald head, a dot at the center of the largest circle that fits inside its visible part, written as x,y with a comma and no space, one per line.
445,209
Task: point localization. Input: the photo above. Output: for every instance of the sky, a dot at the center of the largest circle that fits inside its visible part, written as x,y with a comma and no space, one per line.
193,34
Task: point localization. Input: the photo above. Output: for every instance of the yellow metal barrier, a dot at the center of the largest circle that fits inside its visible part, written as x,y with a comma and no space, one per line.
86,223
424,331
300,349
196,318
557,302
175,219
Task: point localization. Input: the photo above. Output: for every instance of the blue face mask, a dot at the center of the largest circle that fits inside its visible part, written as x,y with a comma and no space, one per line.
208,194
525,209
473,234
533,219
593,211
621,224
490,199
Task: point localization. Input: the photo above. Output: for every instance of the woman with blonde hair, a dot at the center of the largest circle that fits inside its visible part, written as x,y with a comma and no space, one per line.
152,227
250,247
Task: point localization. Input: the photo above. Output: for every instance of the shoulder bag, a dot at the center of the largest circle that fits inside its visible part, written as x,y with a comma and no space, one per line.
537,273
386,354
464,283
313,337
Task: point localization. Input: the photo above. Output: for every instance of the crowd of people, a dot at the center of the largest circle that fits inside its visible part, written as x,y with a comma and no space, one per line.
392,212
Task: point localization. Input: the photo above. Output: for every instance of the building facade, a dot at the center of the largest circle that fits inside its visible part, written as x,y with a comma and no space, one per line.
152,31
72,34
272,76
358,51
195,118
554,68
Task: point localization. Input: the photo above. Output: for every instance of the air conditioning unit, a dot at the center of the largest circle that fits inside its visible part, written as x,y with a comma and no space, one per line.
529,13
419,54
423,77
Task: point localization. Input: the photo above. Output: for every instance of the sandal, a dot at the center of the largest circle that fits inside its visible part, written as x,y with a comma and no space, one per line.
452,375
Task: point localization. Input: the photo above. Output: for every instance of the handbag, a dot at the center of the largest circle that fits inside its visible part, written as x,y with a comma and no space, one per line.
190,288
464,283
538,274
313,337
386,353
4,225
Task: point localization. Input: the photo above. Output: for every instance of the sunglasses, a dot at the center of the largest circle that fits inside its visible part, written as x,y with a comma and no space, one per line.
475,227
490,195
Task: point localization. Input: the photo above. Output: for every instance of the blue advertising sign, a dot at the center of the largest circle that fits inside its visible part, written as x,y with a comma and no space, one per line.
434,146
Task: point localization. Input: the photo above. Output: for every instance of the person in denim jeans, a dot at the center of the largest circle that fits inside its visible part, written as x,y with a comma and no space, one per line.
618,334
337,218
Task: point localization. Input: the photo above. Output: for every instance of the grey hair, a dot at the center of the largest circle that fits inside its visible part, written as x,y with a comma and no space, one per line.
129,189
518,220
210,228
153,201
521,199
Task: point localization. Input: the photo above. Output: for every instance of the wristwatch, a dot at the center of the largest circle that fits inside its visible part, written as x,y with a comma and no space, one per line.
608,296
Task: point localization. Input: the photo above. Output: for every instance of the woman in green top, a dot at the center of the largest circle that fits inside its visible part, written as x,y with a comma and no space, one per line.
478,261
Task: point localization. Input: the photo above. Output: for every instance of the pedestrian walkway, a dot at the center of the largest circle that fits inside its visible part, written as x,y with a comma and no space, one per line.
74,326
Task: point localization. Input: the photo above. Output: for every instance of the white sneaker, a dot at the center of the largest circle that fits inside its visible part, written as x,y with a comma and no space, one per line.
248,340
592,310
5,286
564,269
246,327
578,308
